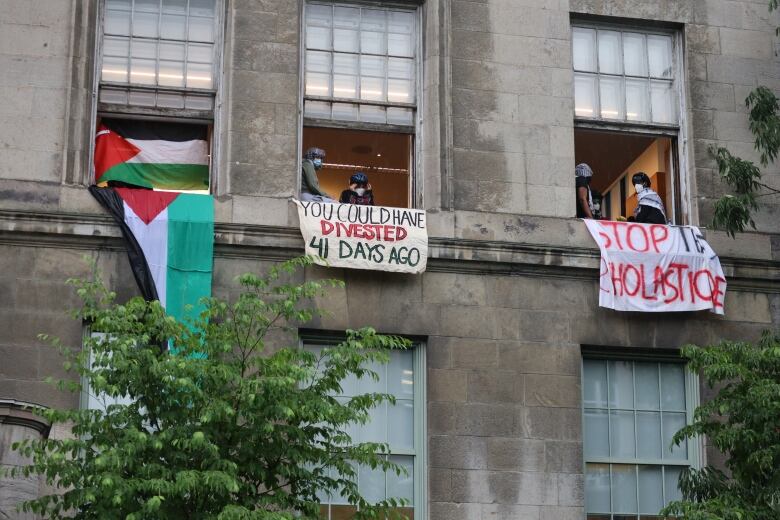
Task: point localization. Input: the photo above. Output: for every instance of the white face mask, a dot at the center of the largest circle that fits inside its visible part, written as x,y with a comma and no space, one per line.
360,191
639,188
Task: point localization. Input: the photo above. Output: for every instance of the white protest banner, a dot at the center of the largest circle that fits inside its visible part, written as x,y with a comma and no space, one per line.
365,237
657,268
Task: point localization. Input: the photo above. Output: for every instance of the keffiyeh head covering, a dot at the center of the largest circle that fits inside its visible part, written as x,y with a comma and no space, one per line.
583,170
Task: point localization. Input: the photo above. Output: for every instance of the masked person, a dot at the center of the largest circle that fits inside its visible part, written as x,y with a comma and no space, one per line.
583,175
650,207
359,191
310,185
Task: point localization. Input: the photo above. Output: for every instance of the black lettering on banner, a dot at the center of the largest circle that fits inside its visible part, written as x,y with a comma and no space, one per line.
321,245
305,206
685,240
342,244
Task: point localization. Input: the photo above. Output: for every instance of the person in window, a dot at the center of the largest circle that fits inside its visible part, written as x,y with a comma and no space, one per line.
310,185
583,175
359,191
650,208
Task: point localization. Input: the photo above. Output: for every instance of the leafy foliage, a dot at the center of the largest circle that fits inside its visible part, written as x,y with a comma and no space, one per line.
743,422
223,428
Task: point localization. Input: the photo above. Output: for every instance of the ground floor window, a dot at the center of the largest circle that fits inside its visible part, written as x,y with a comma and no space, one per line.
631,411
386,158
614,157
401,426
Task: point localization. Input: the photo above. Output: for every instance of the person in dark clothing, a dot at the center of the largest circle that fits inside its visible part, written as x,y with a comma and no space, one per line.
359,191
583,175
650,208
310,185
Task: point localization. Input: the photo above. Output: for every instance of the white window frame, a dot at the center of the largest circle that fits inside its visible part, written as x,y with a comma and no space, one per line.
211,117
695,447
681,202
314,338
415,195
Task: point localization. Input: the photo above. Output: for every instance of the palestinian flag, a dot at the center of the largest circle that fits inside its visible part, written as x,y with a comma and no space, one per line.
170,243
167,156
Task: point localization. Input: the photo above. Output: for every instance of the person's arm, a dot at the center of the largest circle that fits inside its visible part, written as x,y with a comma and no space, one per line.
582,200
310,178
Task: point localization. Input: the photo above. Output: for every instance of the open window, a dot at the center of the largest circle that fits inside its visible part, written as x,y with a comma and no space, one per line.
359,100
627,112
157,86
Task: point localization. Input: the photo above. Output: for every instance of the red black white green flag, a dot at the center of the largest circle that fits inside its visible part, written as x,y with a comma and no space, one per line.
163,156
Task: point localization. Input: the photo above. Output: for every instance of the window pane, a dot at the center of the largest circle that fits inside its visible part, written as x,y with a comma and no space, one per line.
318,38
118,4
345,64
317,84
142,72
144,49
145,24
372,114
662,102
621,426
595,381
400,374
110,95
609,52
114,69
315,108
659,50
344,87
376,429
673,422
648,432
117,22
400,420
611,98
673,384
585,95
634,54
372,66
201,29
400,68
637,109
671,480
200,52
174,6
345,40
142,98
372,42
400,44
372,89
171,74
199,75
400,91
597,488
152,6
173,27
367,384
624,488
116,46
202,8
371,484
373,20
650,490
584,49
596,433
172,51
347,17
318,14
621,383
170,99
345,111
401,486
318,61
646,375
198,102
400,22
399,116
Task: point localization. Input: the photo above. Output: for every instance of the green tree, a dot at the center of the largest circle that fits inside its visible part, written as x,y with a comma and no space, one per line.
743,422
225,427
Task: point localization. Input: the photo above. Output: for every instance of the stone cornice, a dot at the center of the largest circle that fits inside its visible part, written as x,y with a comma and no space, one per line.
19,413
456,255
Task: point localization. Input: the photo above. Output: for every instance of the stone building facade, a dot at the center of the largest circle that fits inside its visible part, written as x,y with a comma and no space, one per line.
508,308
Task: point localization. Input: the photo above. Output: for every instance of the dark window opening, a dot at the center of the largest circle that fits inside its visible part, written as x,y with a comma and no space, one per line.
385,157
614,157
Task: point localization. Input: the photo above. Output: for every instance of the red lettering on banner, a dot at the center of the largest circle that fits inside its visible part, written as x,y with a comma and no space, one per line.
658,233
638,280
630,242
385,233
646,296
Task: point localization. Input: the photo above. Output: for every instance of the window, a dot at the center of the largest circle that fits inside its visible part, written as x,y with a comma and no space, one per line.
400,425
156,93
360,92
627,98
631,411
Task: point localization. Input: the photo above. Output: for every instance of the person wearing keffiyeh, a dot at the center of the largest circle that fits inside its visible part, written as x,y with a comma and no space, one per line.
583,175
650,208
